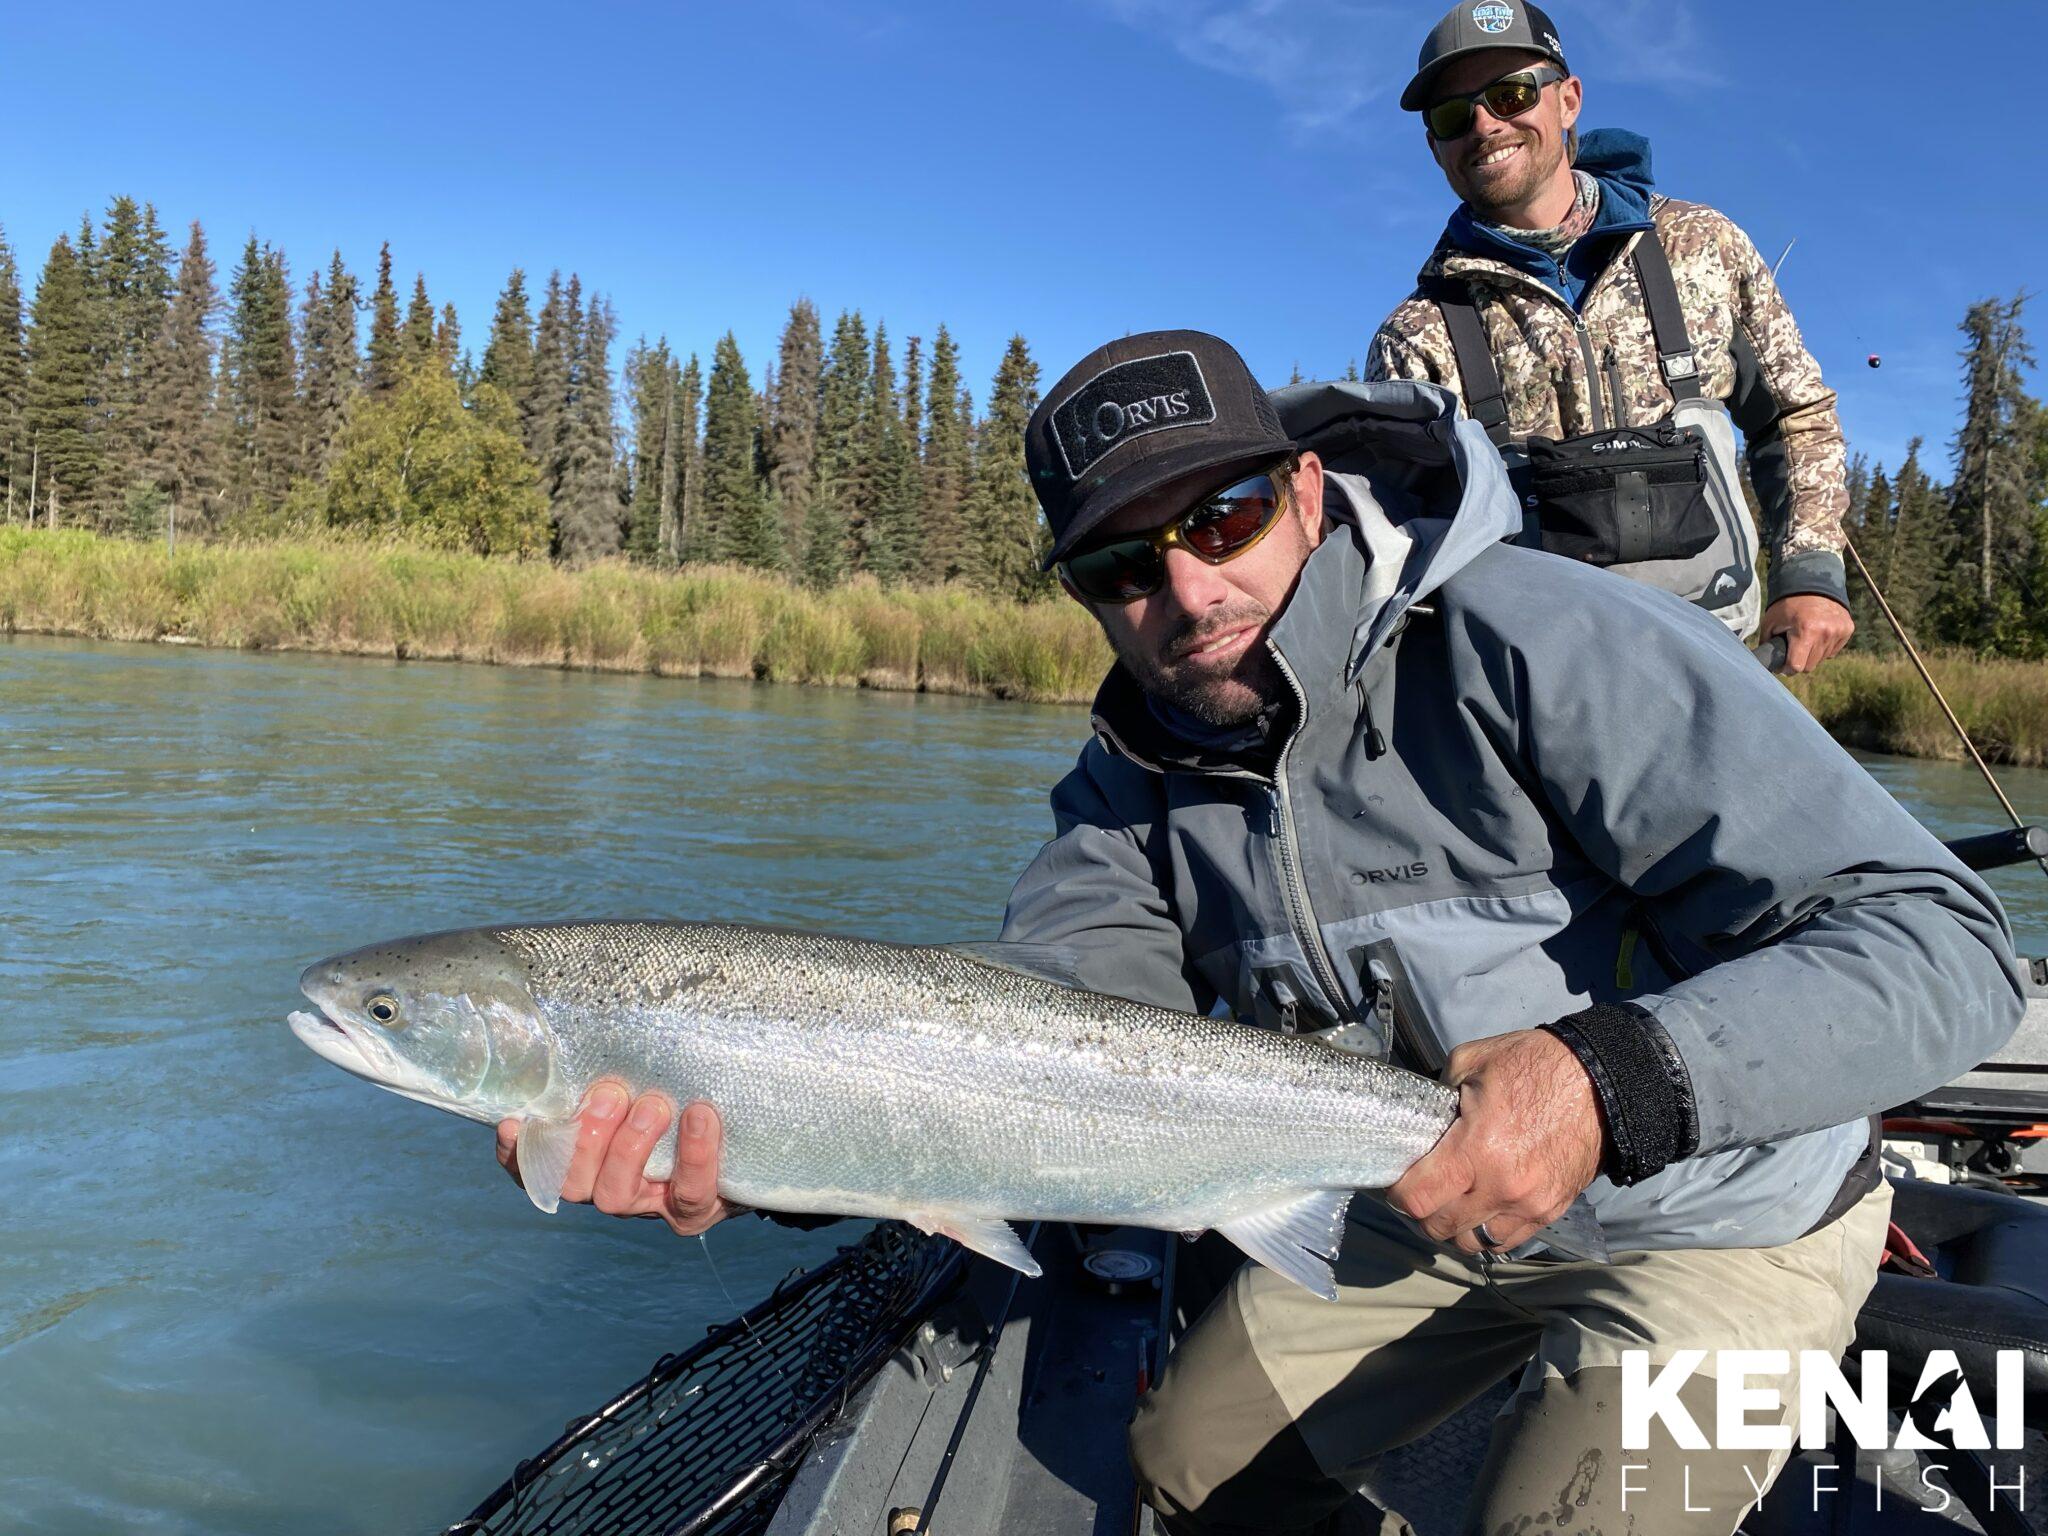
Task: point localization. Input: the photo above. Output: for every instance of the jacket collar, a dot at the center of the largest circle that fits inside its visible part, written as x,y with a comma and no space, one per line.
1619,161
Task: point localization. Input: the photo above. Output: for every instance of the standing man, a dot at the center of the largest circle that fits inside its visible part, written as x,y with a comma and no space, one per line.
1540,305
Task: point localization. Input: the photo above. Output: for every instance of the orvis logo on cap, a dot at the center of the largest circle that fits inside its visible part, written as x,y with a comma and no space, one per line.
1493,16
1130,400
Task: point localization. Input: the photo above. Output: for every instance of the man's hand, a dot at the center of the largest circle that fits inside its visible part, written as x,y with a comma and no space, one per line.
611,1156
1815,628
1525,1143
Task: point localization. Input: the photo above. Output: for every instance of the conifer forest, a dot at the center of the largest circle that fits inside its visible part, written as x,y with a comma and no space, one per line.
141,388
144,392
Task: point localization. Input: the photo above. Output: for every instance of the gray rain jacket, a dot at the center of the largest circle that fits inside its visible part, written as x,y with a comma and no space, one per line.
1551,794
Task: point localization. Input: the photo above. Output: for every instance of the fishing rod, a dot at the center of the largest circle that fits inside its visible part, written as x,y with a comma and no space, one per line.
1773,651
1927,677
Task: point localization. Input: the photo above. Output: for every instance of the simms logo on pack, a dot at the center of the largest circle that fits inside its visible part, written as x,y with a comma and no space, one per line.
1493,17
1147,394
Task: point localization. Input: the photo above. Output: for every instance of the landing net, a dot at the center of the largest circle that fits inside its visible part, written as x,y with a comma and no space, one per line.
703,1444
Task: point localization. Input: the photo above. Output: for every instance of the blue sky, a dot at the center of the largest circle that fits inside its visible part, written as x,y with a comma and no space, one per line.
1073,169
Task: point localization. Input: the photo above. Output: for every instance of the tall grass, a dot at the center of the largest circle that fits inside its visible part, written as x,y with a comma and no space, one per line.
1880,703
394,600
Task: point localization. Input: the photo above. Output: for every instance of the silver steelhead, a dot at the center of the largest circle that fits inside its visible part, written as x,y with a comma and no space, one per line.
956,1089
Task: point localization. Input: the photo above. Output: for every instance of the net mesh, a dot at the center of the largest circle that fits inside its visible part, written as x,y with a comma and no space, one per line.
703,1444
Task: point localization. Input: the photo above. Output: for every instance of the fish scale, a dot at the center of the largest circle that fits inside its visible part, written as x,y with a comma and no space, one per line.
956,1088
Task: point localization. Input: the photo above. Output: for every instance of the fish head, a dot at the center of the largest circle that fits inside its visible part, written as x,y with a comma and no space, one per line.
448,1019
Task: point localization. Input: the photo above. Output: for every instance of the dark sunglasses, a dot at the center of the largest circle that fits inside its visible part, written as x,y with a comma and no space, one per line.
1509,96
1217,528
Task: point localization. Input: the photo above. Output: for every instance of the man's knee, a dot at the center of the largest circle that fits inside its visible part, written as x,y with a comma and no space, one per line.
1214,1449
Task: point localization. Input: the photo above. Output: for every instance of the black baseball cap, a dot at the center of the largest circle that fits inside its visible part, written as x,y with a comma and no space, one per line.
1139,414
1476,26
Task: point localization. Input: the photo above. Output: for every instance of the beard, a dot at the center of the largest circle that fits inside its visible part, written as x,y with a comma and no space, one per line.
1490,195
1220,697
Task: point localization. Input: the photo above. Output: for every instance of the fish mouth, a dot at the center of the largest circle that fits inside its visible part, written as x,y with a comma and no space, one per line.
329,1038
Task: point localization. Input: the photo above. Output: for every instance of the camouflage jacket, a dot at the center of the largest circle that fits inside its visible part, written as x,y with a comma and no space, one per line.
1568,373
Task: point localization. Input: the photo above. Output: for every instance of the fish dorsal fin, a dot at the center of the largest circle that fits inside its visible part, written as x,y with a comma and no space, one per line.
987,1236
1297,1238
545,1148
1056,963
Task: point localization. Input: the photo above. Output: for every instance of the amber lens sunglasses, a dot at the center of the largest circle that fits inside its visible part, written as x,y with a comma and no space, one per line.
1218,528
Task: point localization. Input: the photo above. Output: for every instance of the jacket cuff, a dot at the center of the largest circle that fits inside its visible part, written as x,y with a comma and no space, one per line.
1817,572
1643,1088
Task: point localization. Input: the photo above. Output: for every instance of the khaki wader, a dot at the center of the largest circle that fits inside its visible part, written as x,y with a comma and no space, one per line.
1275,1401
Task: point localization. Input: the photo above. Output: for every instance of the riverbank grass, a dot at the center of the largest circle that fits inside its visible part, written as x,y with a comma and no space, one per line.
392,600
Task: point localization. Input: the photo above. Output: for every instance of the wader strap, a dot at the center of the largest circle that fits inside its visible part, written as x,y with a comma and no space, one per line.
1667,319
1486,399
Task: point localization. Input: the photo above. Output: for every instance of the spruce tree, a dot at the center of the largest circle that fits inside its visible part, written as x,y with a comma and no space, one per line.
13,385
387,344
913,394
1919,562
792,435
542,409
508,355
948,464
416,341
675,453
330,366
260,377
887,540
62,382
1867,524
694,541
448,337
183,459
587,510
135,277
839,497
1995,497
1005,531
651,371
735,502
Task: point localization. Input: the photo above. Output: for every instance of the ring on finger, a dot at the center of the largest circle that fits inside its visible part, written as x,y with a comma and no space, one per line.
1486,1238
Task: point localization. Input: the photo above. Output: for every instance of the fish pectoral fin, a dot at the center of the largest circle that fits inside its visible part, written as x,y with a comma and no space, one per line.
545,1148
1297,1238
1577,1234
990,1238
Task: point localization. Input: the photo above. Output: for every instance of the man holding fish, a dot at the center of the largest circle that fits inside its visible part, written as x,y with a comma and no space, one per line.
1367,773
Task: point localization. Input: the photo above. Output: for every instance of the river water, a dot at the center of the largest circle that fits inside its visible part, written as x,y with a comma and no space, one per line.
241,1292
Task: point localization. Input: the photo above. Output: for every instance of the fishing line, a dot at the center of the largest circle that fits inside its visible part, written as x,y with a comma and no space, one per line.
712,1265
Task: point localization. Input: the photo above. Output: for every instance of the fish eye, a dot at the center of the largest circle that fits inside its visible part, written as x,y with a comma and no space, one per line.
383,1008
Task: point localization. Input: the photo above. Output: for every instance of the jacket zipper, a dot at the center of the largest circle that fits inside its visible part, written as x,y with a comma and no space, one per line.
1300,908
1614,388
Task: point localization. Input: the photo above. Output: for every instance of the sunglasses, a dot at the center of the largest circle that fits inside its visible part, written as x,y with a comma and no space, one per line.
1509,96
1218,528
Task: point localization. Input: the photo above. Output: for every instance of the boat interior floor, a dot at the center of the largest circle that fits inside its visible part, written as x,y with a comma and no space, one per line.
1008,1412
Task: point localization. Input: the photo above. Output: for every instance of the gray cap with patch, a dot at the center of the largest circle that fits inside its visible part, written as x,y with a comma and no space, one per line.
1475,26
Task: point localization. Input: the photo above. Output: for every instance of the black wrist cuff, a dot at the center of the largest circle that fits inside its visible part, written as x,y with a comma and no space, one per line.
1645,1093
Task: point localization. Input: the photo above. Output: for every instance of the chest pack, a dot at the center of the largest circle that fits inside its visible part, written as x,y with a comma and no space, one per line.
1660,504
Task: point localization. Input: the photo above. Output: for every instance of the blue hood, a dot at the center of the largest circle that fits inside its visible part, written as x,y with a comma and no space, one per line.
1620,162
